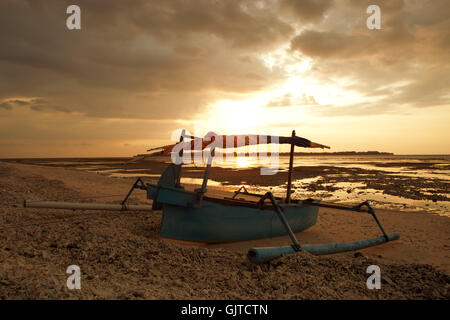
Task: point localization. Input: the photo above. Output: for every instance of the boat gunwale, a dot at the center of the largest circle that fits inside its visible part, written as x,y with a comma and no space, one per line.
235,202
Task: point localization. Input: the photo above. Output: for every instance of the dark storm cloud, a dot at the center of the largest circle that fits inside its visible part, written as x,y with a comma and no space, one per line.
401,61
147,64
410,28
306,10
47,108
241,23
165,49
33,104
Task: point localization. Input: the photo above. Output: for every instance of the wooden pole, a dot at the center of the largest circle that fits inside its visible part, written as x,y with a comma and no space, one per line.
208,167
291,163
178,181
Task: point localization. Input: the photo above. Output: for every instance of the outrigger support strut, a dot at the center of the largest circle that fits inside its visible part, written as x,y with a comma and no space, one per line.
296,245
372,212
261,255
243,192
357,208
139,184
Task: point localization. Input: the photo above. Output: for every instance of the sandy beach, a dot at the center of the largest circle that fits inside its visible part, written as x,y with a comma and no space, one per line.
122,256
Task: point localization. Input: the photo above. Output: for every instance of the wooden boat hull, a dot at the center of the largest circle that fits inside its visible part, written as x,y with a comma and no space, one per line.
189,217
218,223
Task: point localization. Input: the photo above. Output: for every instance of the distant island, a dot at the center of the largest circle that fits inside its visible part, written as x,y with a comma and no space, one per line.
341,153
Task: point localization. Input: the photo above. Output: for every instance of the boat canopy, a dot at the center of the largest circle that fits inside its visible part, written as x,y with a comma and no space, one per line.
233,141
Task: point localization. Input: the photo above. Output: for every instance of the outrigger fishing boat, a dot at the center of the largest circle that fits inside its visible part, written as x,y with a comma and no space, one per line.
195,216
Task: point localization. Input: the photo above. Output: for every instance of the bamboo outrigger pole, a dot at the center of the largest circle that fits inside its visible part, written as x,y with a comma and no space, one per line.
86,206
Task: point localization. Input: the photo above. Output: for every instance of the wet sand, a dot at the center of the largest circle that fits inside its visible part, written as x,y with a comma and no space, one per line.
121,255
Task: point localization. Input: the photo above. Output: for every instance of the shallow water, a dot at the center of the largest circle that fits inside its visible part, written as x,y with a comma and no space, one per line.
438,164
351,193
429,169
418,180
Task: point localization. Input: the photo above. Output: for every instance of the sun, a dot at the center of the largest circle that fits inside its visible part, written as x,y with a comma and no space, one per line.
242,162
234,117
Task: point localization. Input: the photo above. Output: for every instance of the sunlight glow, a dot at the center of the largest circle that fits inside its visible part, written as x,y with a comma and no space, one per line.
229,116
242,162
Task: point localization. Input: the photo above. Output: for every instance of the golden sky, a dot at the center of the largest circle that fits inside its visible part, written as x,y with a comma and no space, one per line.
138,70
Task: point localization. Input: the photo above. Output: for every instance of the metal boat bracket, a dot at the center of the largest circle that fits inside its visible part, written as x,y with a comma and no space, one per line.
279,210
372,212
239,191
139,184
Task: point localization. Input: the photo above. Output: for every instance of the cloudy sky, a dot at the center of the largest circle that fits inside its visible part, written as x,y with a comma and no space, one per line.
138,70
